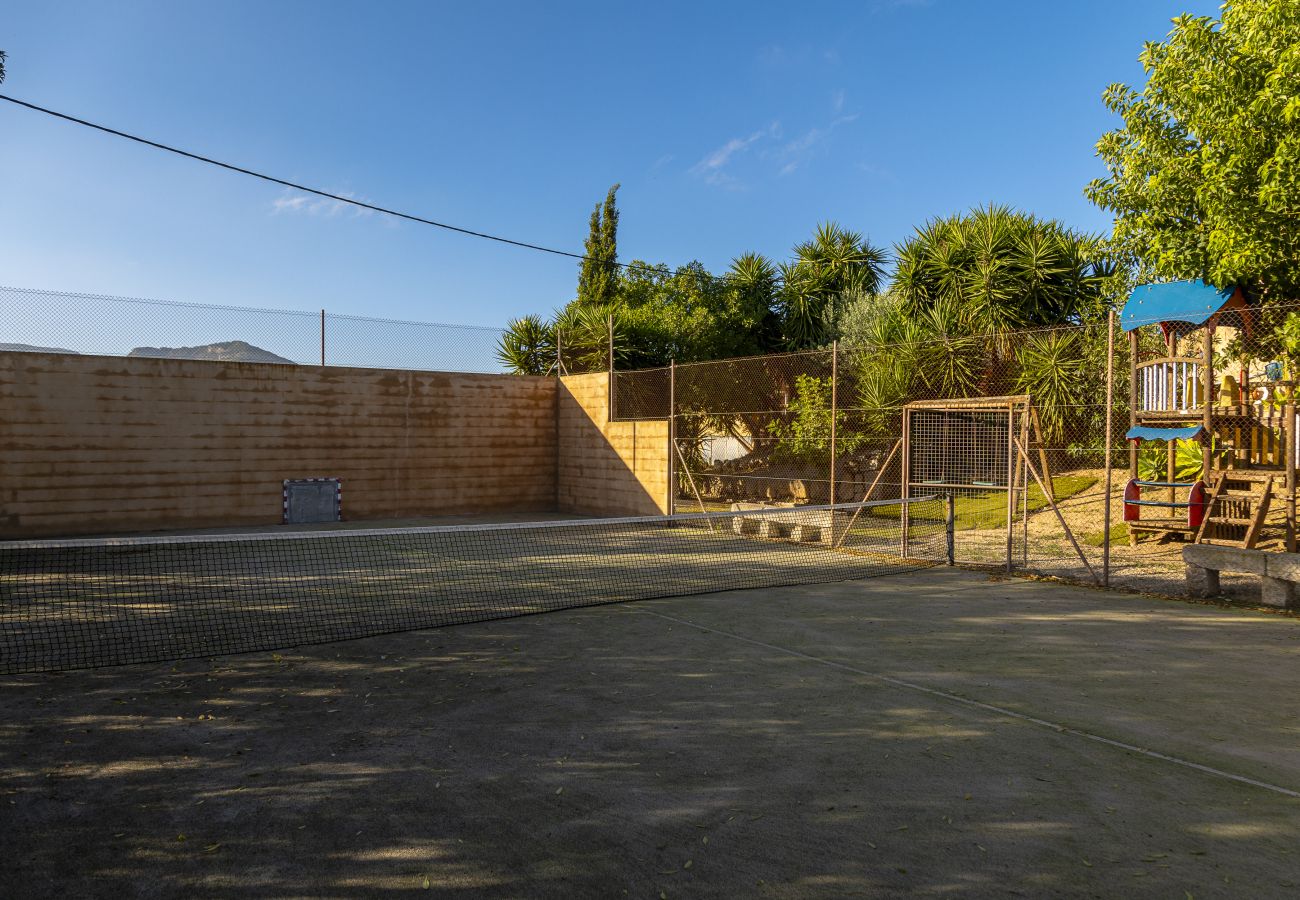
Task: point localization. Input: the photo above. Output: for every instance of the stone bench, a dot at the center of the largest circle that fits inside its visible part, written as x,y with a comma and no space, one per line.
1278,572
782,522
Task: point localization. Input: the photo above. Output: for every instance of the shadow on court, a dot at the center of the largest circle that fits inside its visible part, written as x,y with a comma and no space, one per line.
806,741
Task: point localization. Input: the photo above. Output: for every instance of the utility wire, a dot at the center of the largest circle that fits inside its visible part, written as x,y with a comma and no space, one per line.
304,188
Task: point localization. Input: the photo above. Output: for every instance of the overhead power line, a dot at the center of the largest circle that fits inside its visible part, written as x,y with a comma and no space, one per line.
302,187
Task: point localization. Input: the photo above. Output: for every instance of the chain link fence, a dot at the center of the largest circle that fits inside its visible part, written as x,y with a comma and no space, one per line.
1025,430
96,324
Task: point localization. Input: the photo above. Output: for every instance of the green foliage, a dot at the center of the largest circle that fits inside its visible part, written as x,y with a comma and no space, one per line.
1288,339
1054,373
3,57
836,263
1004,269
598,275
527,347
805,435
1189,464
1204,175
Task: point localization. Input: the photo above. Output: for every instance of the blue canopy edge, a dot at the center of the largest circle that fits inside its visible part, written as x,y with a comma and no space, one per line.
1193,302
1147,433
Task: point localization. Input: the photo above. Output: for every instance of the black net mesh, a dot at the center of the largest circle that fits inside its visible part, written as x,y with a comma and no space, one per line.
70,604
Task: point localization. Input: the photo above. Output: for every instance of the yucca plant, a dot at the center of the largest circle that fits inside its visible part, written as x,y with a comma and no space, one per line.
1053,372
527,347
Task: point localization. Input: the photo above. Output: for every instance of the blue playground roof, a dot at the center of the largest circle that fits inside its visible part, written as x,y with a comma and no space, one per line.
1193,302
1146,433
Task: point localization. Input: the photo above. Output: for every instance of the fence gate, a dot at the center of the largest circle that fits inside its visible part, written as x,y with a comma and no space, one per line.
973,451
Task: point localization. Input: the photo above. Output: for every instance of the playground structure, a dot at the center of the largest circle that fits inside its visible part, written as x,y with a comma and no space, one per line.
1245,421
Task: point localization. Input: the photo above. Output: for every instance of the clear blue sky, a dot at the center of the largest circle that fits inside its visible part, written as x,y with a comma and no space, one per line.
732,127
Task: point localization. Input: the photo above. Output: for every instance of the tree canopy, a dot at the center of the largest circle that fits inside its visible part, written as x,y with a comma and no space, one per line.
1204,175
996,268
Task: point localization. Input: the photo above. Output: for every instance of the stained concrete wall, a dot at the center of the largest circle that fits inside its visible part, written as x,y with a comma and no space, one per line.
107,444
607,468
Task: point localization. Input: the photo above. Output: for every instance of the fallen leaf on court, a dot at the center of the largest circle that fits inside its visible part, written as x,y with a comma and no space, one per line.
982,848
688,864
425,884
180,837
1086,863
559,790
871,845
901,828
211,848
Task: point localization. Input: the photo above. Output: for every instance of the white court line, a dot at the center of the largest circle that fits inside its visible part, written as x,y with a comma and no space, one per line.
977,704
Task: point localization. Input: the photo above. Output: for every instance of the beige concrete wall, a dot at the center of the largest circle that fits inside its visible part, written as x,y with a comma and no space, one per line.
607,468
102,444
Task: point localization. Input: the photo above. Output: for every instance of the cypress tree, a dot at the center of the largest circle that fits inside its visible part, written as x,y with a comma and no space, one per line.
598,274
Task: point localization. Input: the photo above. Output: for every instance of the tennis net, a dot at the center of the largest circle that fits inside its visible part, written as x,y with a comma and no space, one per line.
84,603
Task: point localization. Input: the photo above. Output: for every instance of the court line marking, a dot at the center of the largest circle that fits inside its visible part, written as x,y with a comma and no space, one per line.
979,704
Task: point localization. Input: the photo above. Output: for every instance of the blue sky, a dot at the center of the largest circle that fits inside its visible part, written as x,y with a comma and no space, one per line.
731,127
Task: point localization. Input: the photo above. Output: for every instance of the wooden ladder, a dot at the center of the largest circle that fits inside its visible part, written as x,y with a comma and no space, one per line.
1235,508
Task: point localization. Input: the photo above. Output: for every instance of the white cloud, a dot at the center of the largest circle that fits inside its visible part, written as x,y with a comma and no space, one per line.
801,149
837,101
291,201
712,168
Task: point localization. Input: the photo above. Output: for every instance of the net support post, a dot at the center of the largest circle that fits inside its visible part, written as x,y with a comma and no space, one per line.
950,527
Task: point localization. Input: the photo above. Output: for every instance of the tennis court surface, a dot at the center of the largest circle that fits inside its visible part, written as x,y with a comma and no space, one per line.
931,732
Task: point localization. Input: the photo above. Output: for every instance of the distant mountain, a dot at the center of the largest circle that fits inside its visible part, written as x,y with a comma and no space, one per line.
228,351
28,348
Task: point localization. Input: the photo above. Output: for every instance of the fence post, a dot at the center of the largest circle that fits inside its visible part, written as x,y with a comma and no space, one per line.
672,436
1110,438
611,367
1011,482
835,370
322,338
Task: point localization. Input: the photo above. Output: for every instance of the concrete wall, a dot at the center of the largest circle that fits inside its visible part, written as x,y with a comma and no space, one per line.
607,468
94,444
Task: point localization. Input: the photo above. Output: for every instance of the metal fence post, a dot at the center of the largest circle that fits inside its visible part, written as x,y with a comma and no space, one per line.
672,436
1110,437
322,337
835,369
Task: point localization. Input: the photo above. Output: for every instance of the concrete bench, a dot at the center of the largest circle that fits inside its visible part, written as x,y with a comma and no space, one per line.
1278,572
782,522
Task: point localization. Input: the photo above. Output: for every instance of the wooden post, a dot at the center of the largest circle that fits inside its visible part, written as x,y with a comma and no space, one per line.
1207,407
672,427
835,368
1110,440
1133,401
322,338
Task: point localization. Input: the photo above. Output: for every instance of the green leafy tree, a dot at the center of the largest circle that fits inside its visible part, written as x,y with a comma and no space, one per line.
1204,175
3,57
805,435
598,276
